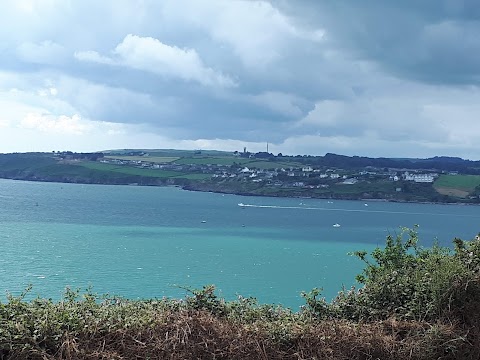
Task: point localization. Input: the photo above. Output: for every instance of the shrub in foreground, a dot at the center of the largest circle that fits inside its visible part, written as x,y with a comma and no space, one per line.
409,282
87,327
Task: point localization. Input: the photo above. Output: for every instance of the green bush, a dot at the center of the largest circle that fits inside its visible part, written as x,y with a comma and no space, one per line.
409,282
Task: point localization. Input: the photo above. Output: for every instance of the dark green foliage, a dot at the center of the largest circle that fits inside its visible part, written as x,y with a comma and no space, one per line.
206,299
409,282
315,305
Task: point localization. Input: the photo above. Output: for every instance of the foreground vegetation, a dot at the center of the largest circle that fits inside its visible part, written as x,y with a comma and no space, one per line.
414,303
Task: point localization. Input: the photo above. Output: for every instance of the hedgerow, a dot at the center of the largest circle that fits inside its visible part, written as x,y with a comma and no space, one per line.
409,282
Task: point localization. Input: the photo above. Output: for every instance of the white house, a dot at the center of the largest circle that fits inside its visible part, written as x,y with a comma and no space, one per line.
419,178
423,178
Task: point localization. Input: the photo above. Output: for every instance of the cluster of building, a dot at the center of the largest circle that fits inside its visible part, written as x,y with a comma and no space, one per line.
305,176
320,178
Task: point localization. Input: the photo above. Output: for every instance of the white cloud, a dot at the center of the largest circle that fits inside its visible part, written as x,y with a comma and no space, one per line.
366,145
149,54
146,53
47,92
222,144
408,117
58,124
100,136
281,103
325,113
459,122
258,32
46,52
24,95
93,56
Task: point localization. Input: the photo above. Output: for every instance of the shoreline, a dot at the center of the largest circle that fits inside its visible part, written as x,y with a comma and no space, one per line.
330,197
189,187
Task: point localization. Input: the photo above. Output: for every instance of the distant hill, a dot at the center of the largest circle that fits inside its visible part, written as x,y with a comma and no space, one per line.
438,163
168,152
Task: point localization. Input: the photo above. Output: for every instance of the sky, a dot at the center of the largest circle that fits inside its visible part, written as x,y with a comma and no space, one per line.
370,78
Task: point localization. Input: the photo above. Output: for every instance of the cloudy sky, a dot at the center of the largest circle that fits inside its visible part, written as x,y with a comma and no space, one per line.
372,77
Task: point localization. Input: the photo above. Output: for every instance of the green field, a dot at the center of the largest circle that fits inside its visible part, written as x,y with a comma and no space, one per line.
128,170
230,160
189,158
460,186
264,164
361,187
25,161
460,182
207,160
169,152
153,159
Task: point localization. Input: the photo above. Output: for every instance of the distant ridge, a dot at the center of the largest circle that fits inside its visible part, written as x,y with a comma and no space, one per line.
439,163
168,151
436,163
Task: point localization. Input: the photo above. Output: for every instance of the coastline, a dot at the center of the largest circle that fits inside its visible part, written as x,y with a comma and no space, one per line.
329,197
206,188
211,174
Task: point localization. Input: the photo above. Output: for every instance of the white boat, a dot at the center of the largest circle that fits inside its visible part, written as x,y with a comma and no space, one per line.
366,204
241,204
336,225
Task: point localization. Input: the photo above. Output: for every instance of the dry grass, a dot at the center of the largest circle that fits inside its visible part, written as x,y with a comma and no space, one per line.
452,192
186,334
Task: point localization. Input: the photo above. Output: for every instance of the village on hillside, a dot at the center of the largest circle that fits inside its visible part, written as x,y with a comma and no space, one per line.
445,180
304,176
276,174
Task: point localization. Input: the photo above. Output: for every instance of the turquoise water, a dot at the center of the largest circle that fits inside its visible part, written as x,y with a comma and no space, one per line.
143,242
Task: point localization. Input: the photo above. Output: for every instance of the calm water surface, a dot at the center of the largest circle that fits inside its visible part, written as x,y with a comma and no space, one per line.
143,242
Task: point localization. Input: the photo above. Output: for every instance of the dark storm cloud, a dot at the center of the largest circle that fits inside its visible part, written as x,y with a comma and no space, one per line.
433,40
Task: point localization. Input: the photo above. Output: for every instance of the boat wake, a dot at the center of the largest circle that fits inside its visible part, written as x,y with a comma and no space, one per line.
349,210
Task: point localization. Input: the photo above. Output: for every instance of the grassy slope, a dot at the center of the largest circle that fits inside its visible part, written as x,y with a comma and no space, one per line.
46,167
152,173
230,160
207,160
129,170
456,185
153,159
461,182
10,162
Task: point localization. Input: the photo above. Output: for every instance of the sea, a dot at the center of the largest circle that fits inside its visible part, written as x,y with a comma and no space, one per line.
154,242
